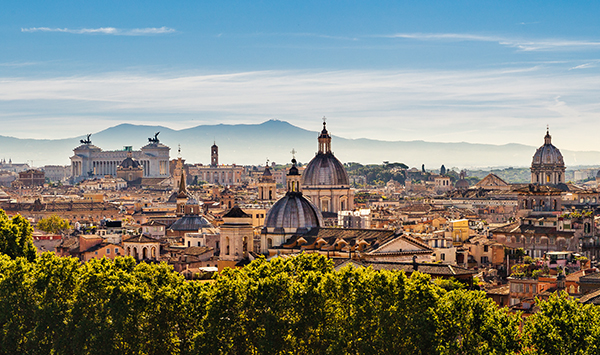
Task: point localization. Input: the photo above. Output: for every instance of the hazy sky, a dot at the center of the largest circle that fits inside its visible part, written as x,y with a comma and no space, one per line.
450,71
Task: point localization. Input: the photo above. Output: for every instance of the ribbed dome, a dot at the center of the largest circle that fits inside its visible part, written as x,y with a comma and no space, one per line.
325,169
547,154
293,211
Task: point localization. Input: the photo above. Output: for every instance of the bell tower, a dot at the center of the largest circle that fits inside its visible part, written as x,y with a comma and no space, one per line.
267,185
214,155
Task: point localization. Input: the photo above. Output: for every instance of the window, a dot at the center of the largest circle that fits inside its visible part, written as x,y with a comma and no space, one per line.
107,250
443,256
116,250
485,248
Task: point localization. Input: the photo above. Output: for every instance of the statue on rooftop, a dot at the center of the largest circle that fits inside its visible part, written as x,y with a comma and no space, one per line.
155,139
87,140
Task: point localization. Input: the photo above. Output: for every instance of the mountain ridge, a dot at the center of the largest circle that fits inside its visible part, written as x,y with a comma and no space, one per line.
274,139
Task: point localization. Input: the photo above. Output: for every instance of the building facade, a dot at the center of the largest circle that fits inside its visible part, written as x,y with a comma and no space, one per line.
89,161
215,173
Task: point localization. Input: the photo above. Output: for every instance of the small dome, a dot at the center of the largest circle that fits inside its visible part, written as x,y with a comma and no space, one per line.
462,184
129,163
190,223
294,169
598,174
325,169
547,154
293,211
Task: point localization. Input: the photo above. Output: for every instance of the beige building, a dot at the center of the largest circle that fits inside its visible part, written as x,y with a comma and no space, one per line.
141,247
237,237
442,183
215,173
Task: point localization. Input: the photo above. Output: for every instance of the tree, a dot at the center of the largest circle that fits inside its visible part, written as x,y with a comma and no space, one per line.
470,323
53,224
563,326
16,237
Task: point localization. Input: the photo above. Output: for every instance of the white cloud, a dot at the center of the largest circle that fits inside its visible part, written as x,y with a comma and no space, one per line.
105,30
584,66
490,106
522,44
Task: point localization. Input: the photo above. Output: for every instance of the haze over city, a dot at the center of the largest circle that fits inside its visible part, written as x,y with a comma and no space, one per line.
478,72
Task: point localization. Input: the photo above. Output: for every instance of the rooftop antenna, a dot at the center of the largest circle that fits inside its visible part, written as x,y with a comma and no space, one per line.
179,150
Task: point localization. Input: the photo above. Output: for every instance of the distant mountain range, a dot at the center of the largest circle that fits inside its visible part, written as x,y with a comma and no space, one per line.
255,143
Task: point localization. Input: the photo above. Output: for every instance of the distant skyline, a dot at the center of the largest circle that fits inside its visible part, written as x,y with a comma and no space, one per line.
463,71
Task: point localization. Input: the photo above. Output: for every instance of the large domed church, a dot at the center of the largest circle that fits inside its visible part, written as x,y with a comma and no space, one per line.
325,181
292,214
548,166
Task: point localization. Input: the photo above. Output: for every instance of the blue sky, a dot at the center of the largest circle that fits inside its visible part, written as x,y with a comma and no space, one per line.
450,71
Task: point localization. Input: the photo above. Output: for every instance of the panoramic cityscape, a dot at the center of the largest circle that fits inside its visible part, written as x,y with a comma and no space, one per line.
315,178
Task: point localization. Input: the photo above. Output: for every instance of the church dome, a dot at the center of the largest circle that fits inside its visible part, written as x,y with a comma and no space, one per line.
325,169
191,223
129,163
293,212
462,184
548,154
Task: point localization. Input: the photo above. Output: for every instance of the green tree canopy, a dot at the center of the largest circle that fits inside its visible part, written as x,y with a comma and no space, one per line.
16,237
53,224
297,305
